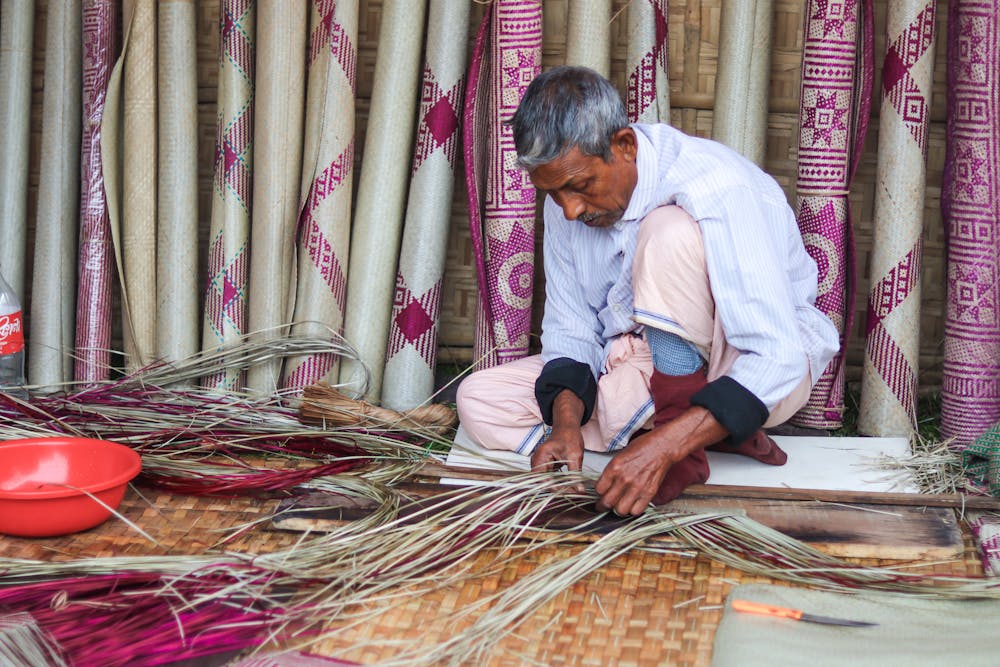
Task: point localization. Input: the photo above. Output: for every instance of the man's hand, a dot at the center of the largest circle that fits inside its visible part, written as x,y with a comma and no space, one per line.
635,474
564,445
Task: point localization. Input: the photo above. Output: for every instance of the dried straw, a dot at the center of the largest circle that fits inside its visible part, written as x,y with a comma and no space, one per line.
378,213
53,286
24,644
177,316
322,404
17,32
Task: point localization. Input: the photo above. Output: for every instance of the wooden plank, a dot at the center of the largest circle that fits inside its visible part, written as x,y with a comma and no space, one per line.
859,531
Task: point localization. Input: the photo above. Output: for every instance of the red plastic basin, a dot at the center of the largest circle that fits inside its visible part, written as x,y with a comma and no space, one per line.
43,480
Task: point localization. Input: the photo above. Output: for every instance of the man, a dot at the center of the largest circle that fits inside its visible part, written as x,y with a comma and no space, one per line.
677,288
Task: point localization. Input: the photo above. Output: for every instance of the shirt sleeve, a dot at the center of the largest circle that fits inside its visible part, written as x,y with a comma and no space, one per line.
571,329
747,257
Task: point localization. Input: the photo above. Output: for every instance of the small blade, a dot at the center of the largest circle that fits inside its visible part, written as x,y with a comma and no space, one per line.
829,620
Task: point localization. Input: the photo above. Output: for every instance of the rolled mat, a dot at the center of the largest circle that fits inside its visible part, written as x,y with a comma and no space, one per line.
588,35
280,106
53,284
138,178
892,332
506,57
17,31
742,84
833,109
229,237
324,232
378,214
93,303
647,96
412,353
970,393
177,317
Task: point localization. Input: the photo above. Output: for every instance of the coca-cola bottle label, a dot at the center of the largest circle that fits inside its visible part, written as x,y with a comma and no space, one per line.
11,333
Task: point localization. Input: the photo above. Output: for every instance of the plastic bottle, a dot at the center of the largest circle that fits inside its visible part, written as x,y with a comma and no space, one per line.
11,342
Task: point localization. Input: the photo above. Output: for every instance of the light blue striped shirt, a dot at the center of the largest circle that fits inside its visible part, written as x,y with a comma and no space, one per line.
763,280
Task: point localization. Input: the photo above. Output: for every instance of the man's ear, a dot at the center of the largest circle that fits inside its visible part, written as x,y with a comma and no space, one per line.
624,144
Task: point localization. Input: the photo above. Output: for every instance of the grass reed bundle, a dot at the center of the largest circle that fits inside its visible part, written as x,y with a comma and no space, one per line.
323,404
23,643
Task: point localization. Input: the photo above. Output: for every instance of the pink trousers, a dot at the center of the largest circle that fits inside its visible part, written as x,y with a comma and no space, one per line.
671,290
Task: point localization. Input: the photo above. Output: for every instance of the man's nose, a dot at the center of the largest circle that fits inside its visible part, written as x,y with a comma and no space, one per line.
573,206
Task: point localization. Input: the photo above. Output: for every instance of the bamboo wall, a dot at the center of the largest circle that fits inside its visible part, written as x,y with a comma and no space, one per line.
693,49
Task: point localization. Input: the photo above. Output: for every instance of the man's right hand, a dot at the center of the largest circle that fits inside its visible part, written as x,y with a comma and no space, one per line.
565,443
564,446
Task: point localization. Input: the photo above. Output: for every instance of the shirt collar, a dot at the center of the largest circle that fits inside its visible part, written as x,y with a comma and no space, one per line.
645,165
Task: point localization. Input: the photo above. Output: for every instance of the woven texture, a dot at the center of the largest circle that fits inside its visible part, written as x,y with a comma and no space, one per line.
640,609
982,459
324,232
378,214
741,90
826,160
970,395
54,279
986,533
413,337
889,381
17,20
225,313
647,89
93,304
588,35
277,134
138,181
507,56
177,315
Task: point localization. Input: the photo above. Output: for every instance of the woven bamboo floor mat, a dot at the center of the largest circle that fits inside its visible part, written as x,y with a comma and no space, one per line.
640,609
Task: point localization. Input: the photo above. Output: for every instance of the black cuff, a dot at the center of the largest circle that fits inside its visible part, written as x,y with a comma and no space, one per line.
733,406
564,373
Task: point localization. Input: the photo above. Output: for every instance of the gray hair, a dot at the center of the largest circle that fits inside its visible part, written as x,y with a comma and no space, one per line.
566,107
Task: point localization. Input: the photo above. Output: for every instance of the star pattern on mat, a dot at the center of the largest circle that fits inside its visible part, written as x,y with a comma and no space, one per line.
825,120
832,17
973,48
974,293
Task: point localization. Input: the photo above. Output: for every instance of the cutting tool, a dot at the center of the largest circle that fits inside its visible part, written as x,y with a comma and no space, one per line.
793,614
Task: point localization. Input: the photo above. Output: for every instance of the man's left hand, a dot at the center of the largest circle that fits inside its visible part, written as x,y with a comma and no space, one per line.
633,476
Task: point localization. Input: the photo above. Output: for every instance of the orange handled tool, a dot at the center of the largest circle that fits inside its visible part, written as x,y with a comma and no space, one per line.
793,614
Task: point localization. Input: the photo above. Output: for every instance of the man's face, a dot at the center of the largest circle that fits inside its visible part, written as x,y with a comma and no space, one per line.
586,187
